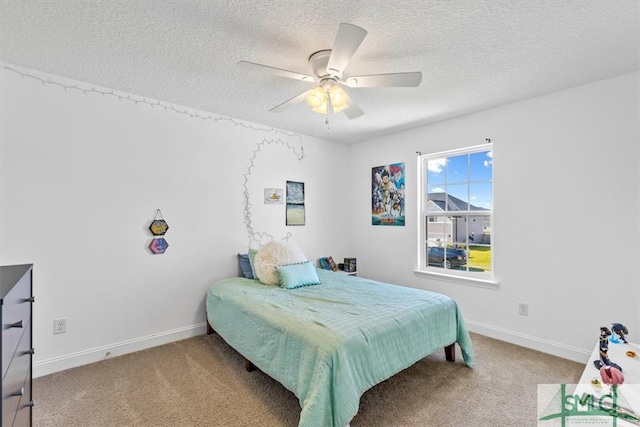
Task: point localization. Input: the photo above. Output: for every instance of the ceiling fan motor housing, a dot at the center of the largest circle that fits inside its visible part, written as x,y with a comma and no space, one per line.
319,61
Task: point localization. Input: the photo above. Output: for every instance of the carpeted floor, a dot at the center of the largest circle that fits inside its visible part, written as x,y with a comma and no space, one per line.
201,381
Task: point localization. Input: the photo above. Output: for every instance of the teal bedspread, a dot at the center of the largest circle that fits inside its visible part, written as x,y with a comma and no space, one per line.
329,343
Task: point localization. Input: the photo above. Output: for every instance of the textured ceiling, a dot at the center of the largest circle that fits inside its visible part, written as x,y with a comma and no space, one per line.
473,54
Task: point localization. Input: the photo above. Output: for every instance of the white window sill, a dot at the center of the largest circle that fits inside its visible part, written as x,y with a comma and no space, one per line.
462,280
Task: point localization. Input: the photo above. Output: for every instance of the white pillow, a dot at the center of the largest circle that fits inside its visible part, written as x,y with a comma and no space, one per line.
270,256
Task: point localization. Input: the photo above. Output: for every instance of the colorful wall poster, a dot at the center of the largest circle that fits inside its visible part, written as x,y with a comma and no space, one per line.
387,195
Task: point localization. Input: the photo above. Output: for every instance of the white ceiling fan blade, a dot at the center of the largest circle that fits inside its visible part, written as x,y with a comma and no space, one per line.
353,112
347,41
252,66
411,79
289,103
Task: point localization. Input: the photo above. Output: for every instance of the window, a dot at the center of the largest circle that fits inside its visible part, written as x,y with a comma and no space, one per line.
456,212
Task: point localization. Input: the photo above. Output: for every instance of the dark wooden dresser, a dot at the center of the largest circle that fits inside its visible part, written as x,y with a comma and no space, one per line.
16,300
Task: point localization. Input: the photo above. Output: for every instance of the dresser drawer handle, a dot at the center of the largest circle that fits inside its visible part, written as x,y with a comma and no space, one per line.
18,392
30,403
18,324
30,299
30,351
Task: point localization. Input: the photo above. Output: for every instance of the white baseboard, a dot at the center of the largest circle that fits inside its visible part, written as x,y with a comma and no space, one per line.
557,349
61,363
68,361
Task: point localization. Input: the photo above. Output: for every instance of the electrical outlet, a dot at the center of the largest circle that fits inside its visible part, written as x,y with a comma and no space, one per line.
523,309
59,326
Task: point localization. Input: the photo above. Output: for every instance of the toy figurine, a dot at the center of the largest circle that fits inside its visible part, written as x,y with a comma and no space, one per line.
604,348
620,330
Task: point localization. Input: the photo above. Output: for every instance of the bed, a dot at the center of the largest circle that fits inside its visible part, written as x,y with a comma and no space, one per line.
330,342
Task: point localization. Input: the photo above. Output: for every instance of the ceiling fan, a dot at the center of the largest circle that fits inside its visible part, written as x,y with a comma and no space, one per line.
328,67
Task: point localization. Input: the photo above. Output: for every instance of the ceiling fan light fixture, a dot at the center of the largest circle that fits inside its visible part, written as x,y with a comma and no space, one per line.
338,96
316,98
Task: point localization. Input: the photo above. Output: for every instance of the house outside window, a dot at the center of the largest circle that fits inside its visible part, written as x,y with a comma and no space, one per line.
456,212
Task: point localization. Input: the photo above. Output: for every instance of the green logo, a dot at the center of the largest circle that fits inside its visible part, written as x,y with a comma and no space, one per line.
583,405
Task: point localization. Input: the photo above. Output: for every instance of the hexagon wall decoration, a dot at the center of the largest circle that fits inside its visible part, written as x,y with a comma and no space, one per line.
158,245
158,227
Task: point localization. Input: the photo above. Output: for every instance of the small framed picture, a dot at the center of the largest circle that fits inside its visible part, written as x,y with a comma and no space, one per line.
273,196
295,203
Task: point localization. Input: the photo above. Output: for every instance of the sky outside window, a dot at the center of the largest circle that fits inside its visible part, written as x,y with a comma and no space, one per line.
447,175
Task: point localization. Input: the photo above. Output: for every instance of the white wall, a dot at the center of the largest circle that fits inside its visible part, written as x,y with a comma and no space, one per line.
566,215
82,175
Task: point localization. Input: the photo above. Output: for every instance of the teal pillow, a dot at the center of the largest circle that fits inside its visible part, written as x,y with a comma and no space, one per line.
296,275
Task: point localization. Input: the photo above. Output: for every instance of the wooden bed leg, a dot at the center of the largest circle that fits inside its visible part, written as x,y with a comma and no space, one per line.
210,329
450,352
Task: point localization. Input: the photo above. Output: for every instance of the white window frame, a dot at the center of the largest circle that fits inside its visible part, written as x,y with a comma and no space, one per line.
458,276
